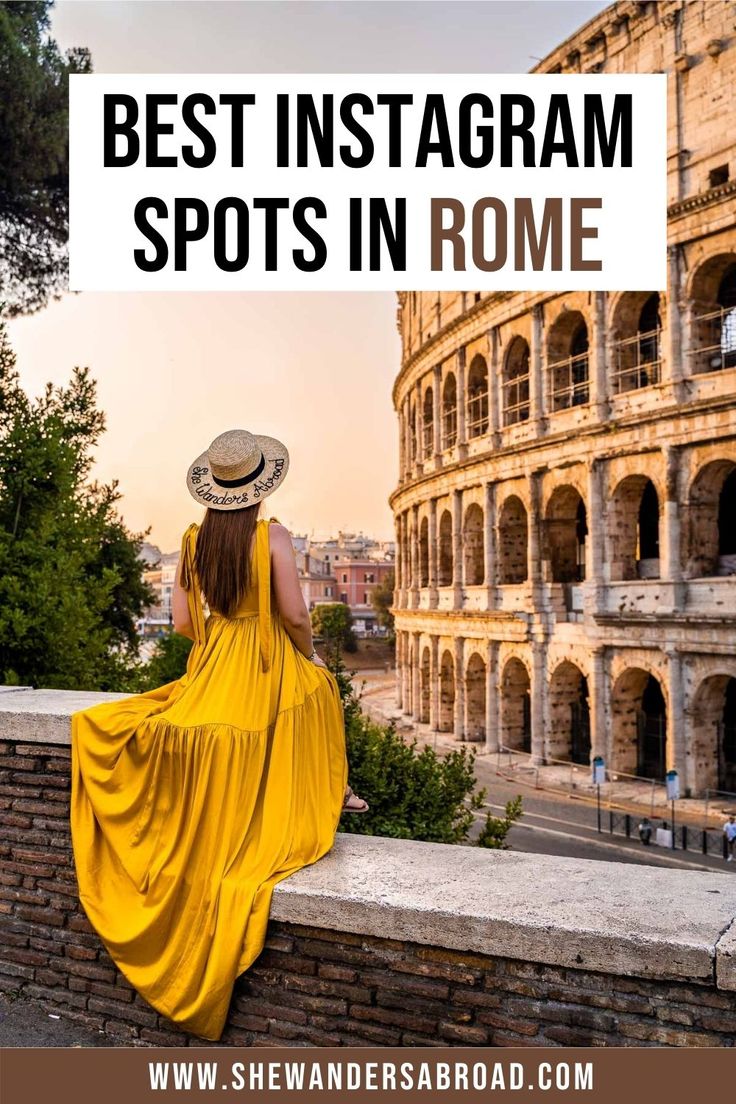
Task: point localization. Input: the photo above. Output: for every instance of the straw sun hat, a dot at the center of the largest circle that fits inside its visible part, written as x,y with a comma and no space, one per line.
238,469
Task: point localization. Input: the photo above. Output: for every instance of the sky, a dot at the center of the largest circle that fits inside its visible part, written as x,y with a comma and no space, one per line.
313,369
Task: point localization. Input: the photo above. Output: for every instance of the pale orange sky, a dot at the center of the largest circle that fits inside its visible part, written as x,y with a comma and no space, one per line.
174,370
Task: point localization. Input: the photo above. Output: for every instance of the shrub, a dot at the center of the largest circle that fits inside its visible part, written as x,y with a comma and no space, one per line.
413,793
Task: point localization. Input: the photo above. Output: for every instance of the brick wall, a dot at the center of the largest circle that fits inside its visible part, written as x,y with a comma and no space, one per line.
311,986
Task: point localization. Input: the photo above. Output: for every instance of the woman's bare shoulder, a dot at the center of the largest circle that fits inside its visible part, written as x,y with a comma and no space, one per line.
279,536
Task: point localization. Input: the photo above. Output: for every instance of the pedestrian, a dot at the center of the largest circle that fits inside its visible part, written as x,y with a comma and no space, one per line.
645,831
729,831
191,801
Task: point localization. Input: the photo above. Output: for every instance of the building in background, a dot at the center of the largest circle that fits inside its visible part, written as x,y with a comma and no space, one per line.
360,561
566,506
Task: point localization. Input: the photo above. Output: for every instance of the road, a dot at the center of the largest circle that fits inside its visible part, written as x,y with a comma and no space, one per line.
555,824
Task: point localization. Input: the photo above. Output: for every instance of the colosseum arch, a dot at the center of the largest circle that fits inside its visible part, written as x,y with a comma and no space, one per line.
424,553
428,424
566,531
567,360
568,736
713,314
633,525
516,711
447,692
513,530
477,402
475,698
639,712
713,745
636,332
515,384
445,549
425,687
710,521
473,545
449,411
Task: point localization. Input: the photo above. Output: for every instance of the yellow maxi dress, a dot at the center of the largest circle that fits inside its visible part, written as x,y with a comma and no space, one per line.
191,801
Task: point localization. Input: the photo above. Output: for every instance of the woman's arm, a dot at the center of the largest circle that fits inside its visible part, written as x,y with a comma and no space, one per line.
180,607
289,599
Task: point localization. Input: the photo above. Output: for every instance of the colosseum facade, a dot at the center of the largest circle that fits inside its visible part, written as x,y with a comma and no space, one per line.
566,505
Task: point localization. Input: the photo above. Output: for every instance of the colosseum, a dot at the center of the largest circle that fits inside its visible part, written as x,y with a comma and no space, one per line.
566,505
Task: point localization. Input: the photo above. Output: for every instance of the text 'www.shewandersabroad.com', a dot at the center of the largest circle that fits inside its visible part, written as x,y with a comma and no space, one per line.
349,1076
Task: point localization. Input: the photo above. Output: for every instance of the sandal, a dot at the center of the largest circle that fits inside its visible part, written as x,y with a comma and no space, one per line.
346,808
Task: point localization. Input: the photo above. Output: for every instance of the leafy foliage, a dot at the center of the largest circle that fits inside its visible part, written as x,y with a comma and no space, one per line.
413,794
70,579
168,662
334,622
382,600
34,171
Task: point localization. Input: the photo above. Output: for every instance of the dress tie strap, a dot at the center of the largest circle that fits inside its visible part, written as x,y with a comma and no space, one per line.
263,561
188,580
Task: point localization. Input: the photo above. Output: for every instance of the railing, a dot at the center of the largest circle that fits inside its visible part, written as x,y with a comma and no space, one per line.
568,382
638,362
427,439
725,799
478,414
516,400
449,427
714,341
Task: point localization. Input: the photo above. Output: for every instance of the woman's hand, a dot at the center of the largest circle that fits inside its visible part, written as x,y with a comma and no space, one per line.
318,662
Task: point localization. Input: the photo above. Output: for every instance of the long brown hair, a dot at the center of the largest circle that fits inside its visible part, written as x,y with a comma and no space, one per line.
222,557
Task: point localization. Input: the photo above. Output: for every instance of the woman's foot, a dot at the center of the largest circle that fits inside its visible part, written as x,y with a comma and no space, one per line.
352,803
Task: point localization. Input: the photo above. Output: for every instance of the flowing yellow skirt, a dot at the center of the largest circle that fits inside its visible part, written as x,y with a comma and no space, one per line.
190,802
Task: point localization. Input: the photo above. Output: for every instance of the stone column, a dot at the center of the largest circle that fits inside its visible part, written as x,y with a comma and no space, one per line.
675,751
399,562
415,556
457,547
493,698
420,426
534,550
489,547
494,385
537,359
433,553
459,717
399,672
672,343
598,371
407,675
462,444
539,699
669,548
408,442
434,678
599,705
594,545
402,443
416,686
437,415
405,553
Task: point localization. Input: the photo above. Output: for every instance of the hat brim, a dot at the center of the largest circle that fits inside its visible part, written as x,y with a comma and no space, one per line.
204,489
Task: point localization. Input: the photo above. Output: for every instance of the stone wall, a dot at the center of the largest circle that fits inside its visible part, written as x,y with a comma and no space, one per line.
383,942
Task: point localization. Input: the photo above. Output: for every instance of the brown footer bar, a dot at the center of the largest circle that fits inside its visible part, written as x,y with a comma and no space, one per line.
129,1075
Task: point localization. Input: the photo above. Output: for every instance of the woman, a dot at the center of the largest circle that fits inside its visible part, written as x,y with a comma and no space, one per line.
190,802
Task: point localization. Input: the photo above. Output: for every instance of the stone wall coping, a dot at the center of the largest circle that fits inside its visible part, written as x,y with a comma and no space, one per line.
584,914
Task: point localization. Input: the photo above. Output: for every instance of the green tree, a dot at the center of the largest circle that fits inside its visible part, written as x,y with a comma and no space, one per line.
333,621
413,793
34,155
168,662
70,578
382,600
